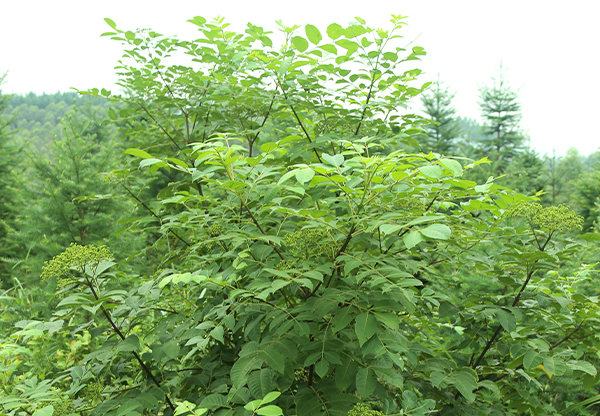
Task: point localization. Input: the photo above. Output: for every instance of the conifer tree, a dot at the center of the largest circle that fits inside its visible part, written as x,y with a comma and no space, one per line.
561,174
501,114
73,201
437,104
8,166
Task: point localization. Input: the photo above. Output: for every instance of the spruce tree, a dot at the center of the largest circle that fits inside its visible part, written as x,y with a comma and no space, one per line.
501,114
8,166
72,201
561,174
441,135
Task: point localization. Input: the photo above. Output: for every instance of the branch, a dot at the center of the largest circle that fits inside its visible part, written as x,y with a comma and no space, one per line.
565,338
120,334
299,122
152,212
366,104
262,125
255,221
497,332
340,251
158,125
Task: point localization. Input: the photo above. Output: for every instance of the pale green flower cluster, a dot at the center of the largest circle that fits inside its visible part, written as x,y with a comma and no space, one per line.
77,256
215,230
309,244
64,406
560,218
93,391
284,265
360,409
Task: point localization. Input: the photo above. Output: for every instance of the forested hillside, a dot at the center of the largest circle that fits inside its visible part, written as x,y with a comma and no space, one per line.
299,229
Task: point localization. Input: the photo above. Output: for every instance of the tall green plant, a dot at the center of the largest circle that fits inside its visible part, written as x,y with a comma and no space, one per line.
313,266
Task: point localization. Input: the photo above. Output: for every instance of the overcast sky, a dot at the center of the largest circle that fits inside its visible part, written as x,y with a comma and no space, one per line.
550,49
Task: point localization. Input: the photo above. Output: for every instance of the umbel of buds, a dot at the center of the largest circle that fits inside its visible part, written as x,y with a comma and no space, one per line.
560,218
363,410
75,257
309,244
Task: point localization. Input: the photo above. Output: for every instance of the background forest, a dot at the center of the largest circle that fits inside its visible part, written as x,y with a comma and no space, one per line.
70,178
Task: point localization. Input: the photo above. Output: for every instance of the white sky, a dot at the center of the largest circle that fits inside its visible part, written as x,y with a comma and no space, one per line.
551,49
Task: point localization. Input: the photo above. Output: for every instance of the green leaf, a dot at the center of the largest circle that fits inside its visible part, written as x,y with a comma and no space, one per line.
341,319
322,367
427,218
583,366
349,45
590,236
491,386
532,359
334,31
138,153
345,374
217,333
329,48
241,368
549,366
389,319
110,22
261,382
302,328
253,405
437,231
365,382
309,405
387,229
588,402
313,34
336,160
466,381
283,68
131,343
286,176
270,410
433,171
412,238
270,397
453,165
149,162
506,319
390,56
44,411
214,401
128,407
274,359
304,175
267,147
198,20
365,327
390,376
171,350
300,43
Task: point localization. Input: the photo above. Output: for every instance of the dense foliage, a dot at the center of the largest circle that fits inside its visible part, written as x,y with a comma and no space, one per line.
303,256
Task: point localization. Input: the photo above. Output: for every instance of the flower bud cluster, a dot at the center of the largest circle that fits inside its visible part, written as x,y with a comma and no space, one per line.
560,218
215,230
284,265
76,256
360,409
93,391
309,244
64,406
